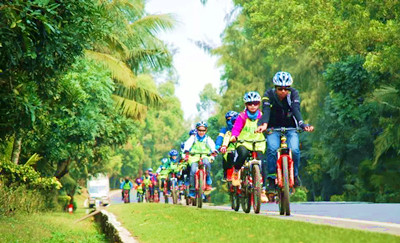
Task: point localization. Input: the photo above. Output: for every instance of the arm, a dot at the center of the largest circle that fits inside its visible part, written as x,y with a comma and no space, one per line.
211,145
220,138
266,109
188,144
295,97
238,126
227,139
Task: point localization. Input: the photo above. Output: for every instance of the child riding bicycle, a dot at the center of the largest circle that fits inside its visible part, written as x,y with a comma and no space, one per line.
199,143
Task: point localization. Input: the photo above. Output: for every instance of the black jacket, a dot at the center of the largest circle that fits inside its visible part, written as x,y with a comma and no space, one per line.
285,113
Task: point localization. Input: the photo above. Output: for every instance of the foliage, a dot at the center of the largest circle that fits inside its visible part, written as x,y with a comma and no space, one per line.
299,196
344,61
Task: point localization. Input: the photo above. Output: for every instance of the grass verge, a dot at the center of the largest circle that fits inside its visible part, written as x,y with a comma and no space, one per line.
50,227
171,223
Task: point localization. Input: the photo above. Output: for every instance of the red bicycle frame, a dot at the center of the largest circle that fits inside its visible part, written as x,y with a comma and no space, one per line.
284,151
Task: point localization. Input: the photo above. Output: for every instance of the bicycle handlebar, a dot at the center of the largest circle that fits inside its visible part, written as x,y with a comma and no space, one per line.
284,129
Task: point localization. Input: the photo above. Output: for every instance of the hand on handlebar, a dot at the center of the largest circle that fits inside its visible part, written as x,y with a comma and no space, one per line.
233,139
223,149
262,128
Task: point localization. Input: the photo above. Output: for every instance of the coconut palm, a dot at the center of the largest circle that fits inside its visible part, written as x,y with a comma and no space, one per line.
131,48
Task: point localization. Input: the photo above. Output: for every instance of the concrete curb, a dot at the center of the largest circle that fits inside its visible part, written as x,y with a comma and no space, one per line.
113,229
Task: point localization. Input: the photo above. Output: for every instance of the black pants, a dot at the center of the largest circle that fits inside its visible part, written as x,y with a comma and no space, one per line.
242,154
228,163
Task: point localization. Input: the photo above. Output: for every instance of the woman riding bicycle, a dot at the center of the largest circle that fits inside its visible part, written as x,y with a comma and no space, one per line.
281,108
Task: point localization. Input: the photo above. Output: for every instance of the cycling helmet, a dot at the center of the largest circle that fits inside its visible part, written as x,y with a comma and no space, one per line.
150,170
192,132
173,152
230,114
182,145
202,124
282,79
233,119
164,160
251,97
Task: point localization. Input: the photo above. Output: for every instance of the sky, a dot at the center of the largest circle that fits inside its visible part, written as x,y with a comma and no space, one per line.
194,66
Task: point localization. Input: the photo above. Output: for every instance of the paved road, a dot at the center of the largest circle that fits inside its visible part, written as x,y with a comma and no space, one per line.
378,217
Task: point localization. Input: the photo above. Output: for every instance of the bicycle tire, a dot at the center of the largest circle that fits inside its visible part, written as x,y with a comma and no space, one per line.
174,196
200,190
235,200
245,193
256,192
286,193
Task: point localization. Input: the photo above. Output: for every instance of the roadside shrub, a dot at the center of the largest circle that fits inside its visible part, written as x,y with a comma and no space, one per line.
63,202
337,198
19,199
23,183
300,195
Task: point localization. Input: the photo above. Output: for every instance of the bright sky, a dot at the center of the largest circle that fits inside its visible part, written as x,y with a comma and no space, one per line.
196,23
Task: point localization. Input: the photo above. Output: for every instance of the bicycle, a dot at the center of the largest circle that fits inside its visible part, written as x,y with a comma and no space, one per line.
139,194
250,191
200,181
126,196
284,171
173,180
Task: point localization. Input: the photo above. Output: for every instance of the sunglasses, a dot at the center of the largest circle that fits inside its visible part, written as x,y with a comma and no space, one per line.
255,103
201,130
283,88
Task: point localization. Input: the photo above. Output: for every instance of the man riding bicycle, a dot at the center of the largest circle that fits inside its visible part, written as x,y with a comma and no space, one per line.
281,108
126,185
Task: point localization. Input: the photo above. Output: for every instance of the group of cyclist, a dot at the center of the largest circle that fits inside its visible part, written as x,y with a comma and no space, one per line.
280,109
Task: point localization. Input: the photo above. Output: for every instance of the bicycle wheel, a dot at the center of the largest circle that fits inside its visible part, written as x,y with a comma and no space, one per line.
235,199
174,196
256,192
199,195
147,195
245,193
285,194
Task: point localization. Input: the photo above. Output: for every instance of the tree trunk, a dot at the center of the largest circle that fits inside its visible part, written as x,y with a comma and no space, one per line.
62,168
16,147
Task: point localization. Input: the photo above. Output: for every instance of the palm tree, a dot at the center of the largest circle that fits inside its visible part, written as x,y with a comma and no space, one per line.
130,48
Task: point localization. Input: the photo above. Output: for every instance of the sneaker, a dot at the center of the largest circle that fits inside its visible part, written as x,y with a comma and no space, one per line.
264,198
297,181
235,178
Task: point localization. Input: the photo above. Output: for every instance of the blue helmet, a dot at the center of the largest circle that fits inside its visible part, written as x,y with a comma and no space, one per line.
164,160
173,152
230,114
182,145
282,79
150,170
251,96
192,132
202,124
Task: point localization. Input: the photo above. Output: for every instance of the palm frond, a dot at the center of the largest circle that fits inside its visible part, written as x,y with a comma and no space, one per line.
33,160
130,108
119,70
153,23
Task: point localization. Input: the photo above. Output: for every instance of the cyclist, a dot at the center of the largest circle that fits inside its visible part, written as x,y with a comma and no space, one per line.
199,143
281,108
162,173
126,185
138,187
172,164
222,143
244,129
147,182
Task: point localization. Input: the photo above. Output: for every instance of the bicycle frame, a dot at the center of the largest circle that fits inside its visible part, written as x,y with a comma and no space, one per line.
284,151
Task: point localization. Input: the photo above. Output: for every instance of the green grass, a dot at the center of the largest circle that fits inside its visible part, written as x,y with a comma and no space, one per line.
50,227
171,223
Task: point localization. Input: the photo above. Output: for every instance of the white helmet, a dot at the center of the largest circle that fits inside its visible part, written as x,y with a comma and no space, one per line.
251,96
283,79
